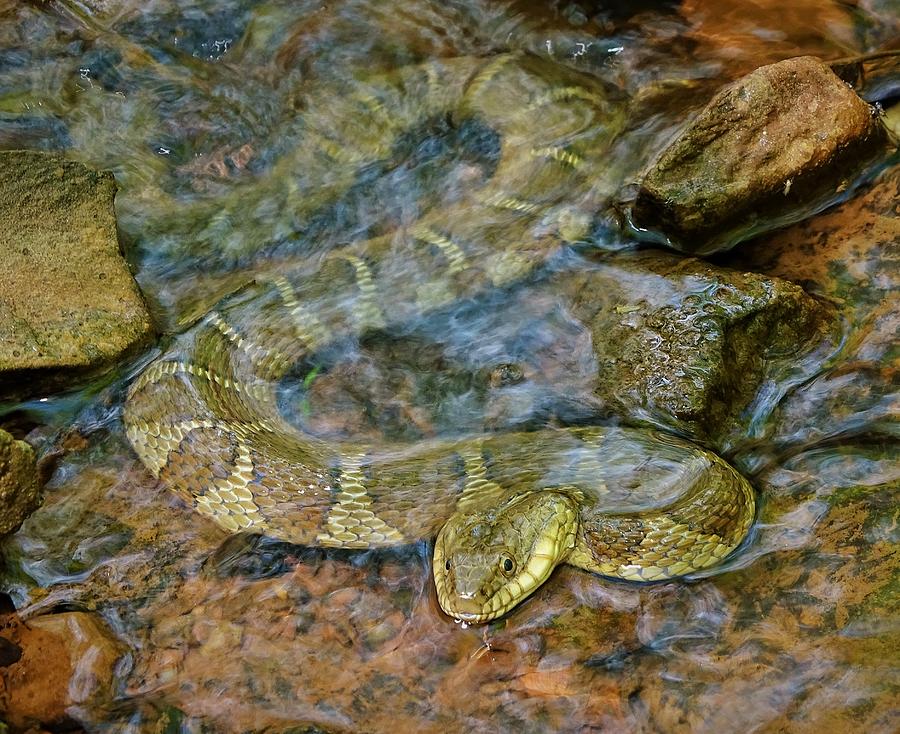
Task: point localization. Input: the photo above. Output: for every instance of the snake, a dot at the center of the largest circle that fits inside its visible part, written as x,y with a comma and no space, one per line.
207,418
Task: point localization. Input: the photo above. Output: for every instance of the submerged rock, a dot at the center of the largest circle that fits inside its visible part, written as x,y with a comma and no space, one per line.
775,146
848,256
62,661
68,303
19,486
689,345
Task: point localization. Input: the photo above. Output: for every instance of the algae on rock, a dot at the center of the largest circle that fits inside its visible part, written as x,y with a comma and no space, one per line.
19,487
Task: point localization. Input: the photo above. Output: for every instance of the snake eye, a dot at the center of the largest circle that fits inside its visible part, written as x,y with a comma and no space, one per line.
507,564
447,564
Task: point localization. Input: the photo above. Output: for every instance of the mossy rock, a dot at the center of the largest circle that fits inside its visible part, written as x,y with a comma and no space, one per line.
19,487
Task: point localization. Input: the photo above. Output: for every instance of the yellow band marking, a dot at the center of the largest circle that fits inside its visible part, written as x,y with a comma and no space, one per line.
370,313
154,441
233,493
277,361
565,94
351,522
432,82
513,203
307,327
454,254
158,370
490,71
477,484
385,120
558,154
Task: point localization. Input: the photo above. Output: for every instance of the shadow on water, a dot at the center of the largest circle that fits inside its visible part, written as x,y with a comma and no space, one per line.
204,111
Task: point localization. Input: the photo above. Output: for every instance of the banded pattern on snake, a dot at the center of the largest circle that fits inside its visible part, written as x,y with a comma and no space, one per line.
505,509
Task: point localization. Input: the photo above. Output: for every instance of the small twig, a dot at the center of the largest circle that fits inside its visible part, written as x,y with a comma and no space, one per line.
863,58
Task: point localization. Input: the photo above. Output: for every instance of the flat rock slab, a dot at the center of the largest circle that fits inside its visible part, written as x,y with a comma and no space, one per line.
68,303
775,146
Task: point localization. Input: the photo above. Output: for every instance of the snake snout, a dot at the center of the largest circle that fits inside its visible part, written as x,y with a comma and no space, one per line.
487,560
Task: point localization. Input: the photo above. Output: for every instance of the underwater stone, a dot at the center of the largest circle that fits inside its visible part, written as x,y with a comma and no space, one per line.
775,146
68,661
688,345
68,303
19,487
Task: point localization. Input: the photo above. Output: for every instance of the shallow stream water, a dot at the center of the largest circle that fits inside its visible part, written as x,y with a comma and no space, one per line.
200,108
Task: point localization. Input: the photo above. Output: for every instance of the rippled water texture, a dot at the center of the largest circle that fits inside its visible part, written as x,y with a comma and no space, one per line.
210,115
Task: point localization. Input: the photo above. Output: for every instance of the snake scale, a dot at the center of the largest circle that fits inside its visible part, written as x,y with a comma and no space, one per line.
505,509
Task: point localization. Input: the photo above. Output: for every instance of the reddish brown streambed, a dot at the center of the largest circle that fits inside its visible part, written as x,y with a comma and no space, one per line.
170,626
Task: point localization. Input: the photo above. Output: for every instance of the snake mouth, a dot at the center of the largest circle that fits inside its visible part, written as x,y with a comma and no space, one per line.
477,617
471,610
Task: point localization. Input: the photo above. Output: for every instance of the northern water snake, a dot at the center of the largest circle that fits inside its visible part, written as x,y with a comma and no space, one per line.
505,509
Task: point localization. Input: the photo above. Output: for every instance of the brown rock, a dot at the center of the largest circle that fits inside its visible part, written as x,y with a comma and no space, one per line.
68,303
775,146
66,661
19,487
686,344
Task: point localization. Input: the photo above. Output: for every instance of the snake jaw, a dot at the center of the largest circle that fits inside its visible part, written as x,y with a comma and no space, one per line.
487,560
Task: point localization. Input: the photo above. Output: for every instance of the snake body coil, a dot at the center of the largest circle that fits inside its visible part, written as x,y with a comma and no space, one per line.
505,509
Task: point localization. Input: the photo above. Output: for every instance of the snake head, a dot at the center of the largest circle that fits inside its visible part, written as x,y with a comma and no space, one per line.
488,559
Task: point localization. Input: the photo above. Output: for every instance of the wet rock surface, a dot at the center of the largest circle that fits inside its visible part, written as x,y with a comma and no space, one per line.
61,662
19,486
849,256
68,303
771,148
687,345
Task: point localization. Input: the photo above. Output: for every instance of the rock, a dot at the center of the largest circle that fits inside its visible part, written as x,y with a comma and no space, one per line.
689,345
775,146
849,256
66,661
19,486
68,303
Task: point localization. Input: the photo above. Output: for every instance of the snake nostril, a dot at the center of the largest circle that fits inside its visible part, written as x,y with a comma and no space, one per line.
447,564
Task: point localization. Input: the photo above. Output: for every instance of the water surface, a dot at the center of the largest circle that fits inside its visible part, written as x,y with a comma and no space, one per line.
200,109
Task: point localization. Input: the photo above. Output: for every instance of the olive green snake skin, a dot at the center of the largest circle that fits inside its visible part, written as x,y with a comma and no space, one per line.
505,509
